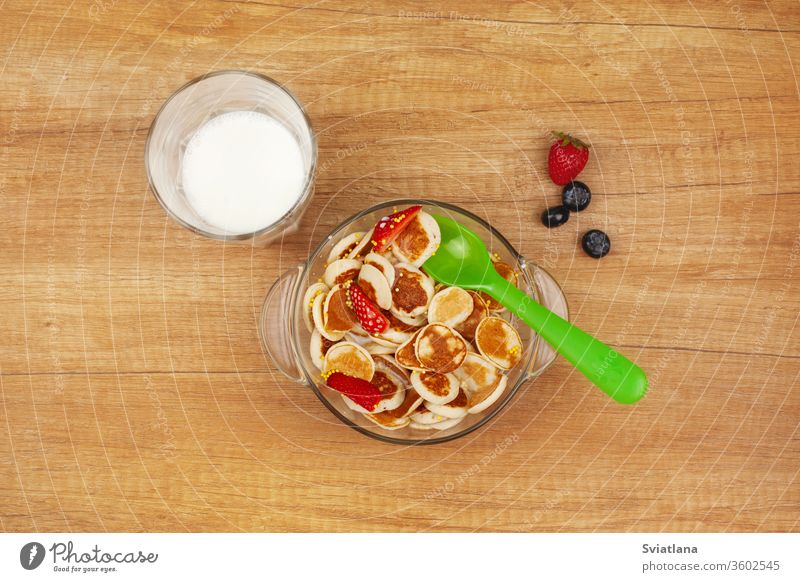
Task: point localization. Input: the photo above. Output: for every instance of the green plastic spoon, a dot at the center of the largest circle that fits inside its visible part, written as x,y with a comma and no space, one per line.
462,259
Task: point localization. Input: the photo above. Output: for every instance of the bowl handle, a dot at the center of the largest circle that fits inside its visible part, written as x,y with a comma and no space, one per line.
275,325
549,294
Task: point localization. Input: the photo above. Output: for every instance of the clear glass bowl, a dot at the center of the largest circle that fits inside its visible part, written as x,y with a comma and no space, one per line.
194,104
285,338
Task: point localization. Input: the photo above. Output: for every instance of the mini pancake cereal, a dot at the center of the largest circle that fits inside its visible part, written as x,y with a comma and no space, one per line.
337,317
343,248
435,388
499,342
391,381
439,348
418,241
477,373
341,271
456,408
319,346
381,263
412,291
308,302
350,359
319,320
362,247
399,417
375,285
450,306
443,425
406,355
427,355
485,397
479,312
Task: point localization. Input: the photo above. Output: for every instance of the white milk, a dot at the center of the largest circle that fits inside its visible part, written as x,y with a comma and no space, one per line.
242,171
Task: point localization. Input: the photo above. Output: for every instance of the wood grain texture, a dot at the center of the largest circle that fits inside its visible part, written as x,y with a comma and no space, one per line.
134,392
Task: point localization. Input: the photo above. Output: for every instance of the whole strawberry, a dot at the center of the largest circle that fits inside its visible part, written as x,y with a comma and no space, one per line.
567,158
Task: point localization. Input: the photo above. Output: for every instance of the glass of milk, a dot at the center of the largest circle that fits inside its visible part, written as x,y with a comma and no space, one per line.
231,156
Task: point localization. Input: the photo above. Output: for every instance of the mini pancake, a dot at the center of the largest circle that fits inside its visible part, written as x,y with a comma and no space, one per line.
399,417
477,373
337,317
340,271
382,264
319,320
423,415
508,273
343,248
406,356
485,397
479,312
439,348
387,421
319,346
411,322
391,381
375,286
412,291
418,241
450,306
443,425
398,331
349,359
308,302
435,388
379,349
456,408
363,247
499,342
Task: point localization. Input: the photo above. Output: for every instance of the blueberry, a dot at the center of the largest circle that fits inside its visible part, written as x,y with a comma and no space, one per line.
555,216
596,243
576,196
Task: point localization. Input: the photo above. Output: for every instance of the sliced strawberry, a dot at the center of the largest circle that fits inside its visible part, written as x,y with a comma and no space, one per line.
390,226
363,393
368,314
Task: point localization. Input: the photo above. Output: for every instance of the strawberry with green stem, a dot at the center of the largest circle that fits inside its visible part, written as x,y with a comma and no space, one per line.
567,158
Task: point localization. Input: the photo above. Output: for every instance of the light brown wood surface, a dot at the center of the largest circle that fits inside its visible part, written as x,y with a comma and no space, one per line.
134,394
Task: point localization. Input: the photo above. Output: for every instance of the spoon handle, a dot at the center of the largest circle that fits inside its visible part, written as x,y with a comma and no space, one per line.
606,368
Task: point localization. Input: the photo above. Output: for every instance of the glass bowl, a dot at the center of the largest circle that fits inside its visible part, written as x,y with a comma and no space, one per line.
285,338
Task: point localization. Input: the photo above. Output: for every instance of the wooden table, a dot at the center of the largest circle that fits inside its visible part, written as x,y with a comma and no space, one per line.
134,392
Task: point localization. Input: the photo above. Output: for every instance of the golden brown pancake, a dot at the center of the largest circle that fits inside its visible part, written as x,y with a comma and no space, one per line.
485,397
308,302
349,359
341,271
439,348
343,248
382,264
499,342
436,388
479,311
406,355
337,317
375,286
319,346
477,373
450,306
418,241
412,290
456,408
